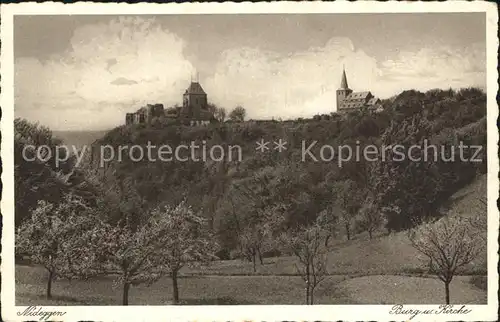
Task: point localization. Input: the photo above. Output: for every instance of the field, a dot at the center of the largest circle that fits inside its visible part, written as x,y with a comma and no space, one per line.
226,290
194,290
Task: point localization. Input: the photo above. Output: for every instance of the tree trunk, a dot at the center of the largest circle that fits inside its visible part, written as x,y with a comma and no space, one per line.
311,296
213,209
370,233
211,223
308,279
261,259
243,256
447,291
348,231
327,239
49,284
254,260
175,287
126,287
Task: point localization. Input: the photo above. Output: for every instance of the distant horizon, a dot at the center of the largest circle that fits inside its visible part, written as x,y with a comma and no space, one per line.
77,73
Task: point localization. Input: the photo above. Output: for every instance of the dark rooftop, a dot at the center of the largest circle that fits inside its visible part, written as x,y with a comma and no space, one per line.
195,88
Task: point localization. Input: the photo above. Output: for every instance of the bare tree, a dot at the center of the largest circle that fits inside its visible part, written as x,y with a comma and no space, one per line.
220,114
263,216
258,236
251,241
448,244
329,222
345,219
212,108
306,245
348,202
370,218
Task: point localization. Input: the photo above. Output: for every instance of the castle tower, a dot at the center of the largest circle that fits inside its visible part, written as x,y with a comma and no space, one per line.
344,90
194,100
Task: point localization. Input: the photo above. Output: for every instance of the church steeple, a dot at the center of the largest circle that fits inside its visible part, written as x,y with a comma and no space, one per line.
344,91
343,82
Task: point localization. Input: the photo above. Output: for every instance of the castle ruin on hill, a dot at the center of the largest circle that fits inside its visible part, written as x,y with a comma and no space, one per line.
194,110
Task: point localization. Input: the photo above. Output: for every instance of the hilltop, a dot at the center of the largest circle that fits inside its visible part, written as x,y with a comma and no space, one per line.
308,188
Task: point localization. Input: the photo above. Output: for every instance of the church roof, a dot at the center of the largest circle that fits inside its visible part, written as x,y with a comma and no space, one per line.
373,101
343,82
195,88
352,104
358,100
358,95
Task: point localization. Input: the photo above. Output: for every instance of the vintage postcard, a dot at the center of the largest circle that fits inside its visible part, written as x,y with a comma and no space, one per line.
281,161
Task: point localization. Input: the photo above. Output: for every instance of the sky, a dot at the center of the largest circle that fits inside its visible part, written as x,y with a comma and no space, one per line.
85,72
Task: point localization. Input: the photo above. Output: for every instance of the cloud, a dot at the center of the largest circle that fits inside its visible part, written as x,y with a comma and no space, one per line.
123,81
288,85
304,83
441,67
135,52
113,68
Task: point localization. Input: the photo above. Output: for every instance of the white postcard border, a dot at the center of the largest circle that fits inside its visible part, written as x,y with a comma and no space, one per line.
10,312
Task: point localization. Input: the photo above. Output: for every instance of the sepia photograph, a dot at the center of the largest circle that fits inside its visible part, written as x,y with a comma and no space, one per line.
259,156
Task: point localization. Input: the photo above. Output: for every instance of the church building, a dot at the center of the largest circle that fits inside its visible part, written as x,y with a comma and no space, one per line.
348,100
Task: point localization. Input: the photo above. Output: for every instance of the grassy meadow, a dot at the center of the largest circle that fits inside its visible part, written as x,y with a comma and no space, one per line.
251,289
